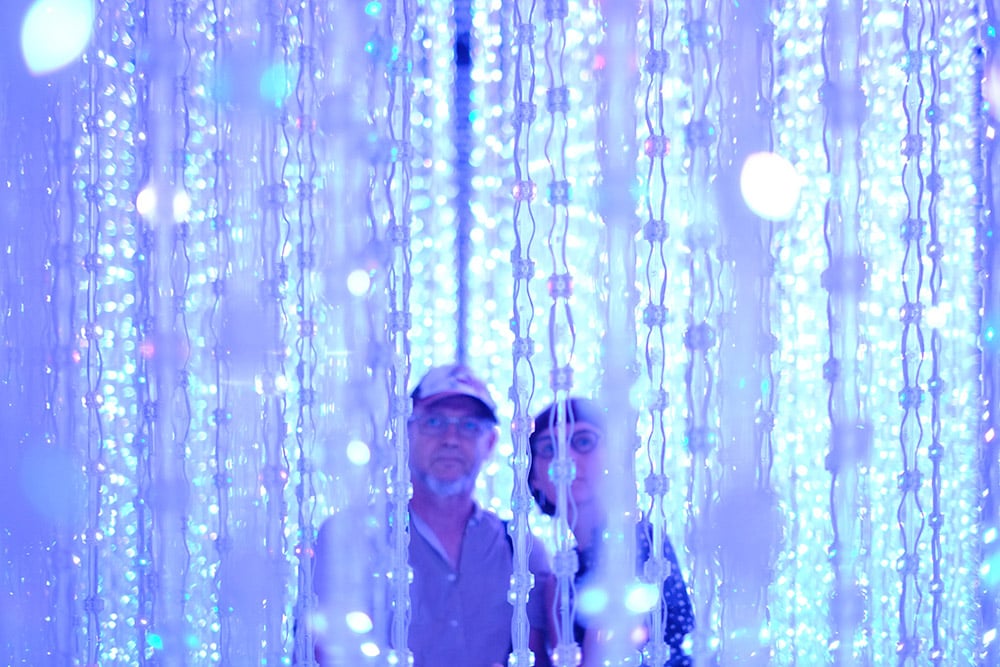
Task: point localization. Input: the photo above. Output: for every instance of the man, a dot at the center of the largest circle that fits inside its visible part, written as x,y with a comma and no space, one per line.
461,556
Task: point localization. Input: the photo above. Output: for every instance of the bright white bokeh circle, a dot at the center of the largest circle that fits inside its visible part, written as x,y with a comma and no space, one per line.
55,33
770,185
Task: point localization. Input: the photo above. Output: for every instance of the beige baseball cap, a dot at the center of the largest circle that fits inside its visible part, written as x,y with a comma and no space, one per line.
454,380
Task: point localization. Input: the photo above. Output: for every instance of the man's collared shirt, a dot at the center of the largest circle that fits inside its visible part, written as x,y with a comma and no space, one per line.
461,616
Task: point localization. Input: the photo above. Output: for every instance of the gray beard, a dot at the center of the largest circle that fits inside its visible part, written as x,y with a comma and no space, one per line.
455,487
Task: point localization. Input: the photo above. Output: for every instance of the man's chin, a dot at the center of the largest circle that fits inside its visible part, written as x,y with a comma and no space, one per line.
449,487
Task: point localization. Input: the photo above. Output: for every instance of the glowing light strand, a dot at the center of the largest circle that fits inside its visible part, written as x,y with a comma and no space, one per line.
395,199
843,279
745,127
169,509
910,513
934,183
561,334
988,468
764,453
701,429
62,407
523,314
180,281
616,130
93,605
144,377
274,270
656,232
307,310
222,252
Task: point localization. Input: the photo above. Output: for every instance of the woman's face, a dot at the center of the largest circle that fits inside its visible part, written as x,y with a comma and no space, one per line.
585,447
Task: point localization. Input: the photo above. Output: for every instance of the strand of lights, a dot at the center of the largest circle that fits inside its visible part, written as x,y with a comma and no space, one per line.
433,188
767,342
910,512
988,186
63,427
843,98
145,378
492,239
307,312
182,422
523,310
655,313
394,203
935,384
274,248
747,544
164,639
616,129
700,335
92,355
463,46
802,420
220,276
561,333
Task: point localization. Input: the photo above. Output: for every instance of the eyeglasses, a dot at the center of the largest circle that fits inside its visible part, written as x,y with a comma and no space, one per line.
581,442
435,424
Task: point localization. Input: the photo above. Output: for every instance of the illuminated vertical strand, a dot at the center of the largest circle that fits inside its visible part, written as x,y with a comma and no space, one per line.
462,137
955,316
798,618
245,318
493,239
988,465
935,385
844,101
168,483
616,130
144,378
307,313
746,544
351,406
701,430
767,344
434,183
275,247
393,208
561,330
655,312
182,256
92,359
64,391
194,271
523,311
219,280
910,511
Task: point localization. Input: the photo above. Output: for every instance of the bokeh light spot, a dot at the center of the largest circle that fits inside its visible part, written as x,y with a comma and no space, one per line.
358,453
55,33
770,185
592,601
359,622
641,598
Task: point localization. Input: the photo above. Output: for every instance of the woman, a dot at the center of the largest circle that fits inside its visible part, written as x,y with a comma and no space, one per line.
585,438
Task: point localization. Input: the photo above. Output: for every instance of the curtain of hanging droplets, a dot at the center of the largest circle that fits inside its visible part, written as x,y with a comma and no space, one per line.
228,226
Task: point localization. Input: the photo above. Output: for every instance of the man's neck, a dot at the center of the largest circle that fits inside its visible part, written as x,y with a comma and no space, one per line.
445,515
447,512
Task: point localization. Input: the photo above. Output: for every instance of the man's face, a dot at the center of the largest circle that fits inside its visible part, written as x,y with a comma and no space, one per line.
449,440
